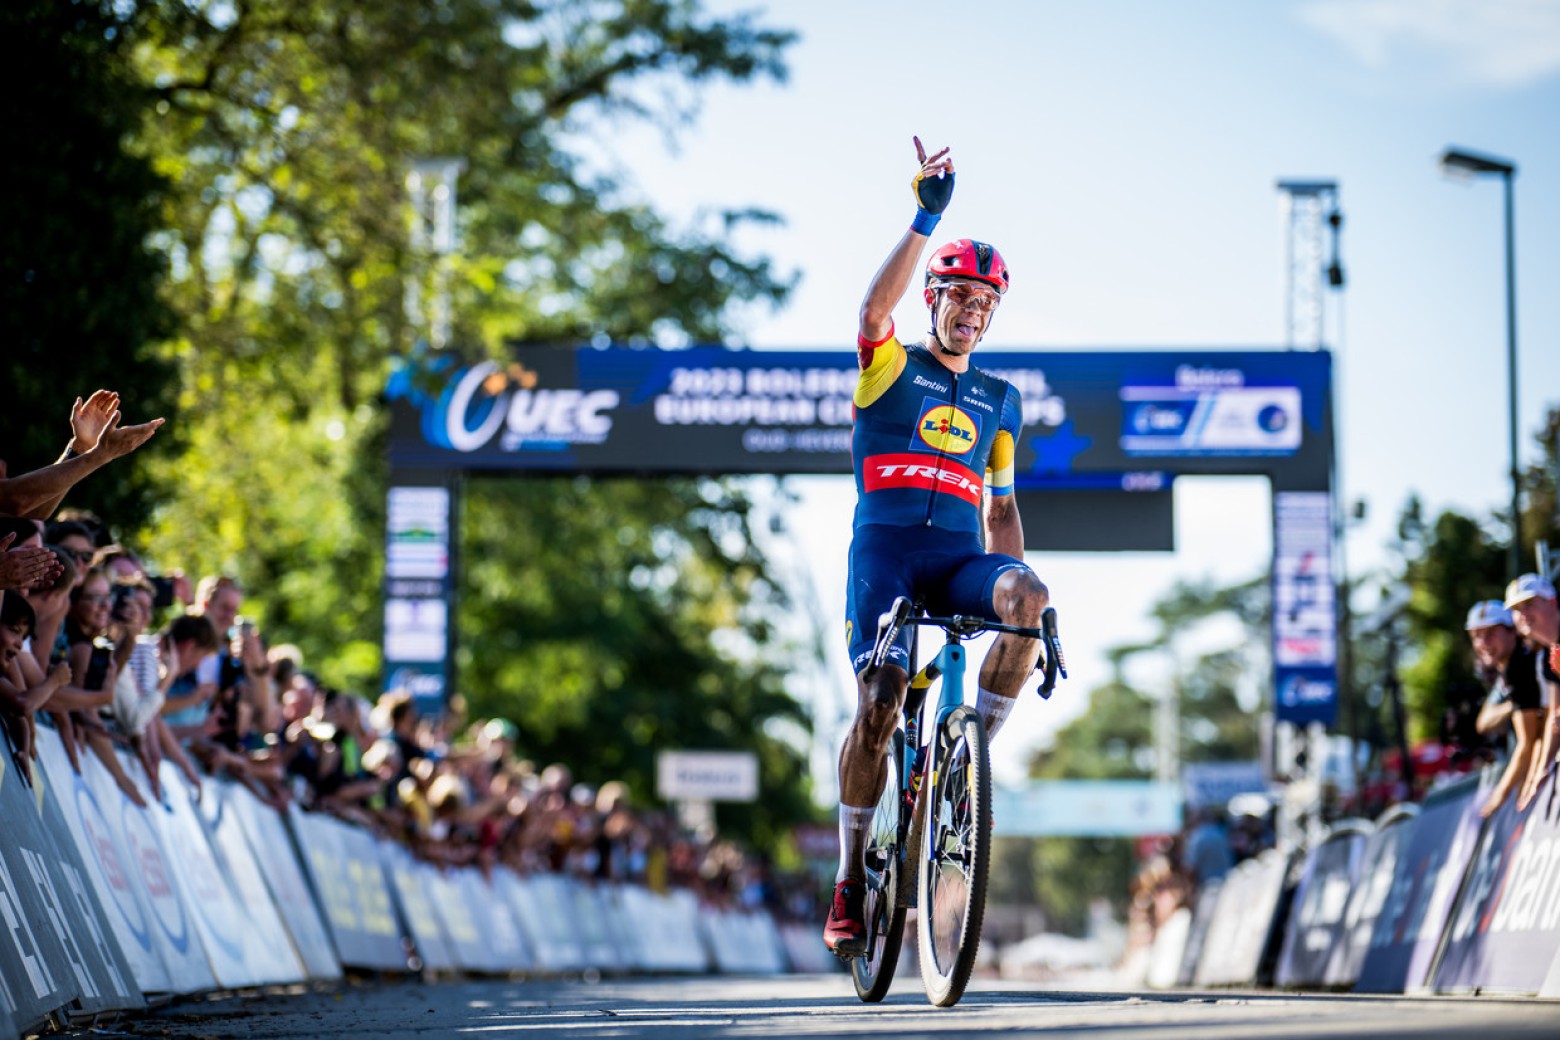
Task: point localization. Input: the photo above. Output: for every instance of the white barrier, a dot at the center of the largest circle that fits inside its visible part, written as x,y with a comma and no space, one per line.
1243,921
343,865
743,942
102,901
412,889
272,849
236,920
120,836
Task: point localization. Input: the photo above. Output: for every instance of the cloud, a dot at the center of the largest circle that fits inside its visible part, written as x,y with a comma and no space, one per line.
1503,43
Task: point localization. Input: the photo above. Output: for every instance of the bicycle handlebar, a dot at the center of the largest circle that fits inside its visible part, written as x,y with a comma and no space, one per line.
1052,665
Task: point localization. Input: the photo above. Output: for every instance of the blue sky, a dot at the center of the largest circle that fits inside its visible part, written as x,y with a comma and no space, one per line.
1122,154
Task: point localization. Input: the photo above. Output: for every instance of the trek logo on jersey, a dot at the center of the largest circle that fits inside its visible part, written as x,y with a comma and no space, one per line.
883,472
945,428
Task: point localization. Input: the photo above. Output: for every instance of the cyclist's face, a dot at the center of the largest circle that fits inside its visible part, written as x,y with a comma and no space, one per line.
963,311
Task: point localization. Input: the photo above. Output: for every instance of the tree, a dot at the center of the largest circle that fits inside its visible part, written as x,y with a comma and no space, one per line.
1114,737
652,644
1449,564
78,283
281,136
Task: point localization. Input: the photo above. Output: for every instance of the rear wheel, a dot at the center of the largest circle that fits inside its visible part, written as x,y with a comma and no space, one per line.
874,972
955,858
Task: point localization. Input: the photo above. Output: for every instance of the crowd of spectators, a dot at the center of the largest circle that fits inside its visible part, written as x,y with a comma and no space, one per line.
114,657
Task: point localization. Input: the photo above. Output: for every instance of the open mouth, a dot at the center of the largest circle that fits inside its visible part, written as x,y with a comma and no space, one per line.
9,655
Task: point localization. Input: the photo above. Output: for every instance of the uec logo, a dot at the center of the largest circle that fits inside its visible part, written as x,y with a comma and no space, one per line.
484,399
948,429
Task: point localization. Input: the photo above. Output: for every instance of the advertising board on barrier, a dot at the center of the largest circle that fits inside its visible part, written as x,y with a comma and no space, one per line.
409,885
278,864
1505,929
1243,921
1378,864
267,949
1321,898
344,866
112,874
116,985
41,976
1424,882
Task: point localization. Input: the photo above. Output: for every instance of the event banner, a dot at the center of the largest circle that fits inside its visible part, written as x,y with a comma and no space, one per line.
1316,914
1091,418
1305,617
1373,882
1505,930
1424,884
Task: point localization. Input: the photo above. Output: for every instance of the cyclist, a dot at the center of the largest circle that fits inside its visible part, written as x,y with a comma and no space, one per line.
933,453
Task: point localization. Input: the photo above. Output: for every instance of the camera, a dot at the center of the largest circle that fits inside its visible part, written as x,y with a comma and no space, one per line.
162,592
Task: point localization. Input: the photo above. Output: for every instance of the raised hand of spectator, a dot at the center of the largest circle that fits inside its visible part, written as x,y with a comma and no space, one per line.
25,566
89,418
117,440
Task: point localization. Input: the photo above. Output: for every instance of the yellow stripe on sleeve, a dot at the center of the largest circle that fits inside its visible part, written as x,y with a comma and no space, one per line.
881,365
1000,465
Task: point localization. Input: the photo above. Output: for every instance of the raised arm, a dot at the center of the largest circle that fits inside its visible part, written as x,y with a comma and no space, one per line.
932,187
38,494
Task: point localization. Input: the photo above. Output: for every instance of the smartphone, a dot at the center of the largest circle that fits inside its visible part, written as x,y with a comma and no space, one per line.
162,592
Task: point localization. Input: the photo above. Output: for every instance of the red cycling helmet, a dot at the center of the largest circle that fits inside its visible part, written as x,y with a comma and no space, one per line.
967,258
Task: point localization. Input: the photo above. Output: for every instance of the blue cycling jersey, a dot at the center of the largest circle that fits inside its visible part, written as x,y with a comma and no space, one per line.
926,438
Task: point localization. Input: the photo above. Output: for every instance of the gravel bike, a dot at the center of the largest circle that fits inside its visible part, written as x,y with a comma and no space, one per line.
933,851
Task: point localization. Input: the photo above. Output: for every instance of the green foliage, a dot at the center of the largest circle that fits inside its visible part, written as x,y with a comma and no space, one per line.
78,285
1452,562
638,630
1113,738
1449,564
231,182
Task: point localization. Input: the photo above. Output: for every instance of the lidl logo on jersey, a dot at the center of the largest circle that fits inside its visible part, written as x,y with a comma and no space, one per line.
946,428
484,400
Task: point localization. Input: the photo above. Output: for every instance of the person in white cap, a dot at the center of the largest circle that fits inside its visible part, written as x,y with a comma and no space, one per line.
1531,600
1514,694
1506,668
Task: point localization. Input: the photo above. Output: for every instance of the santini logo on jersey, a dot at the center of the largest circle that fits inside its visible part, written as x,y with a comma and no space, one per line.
883,472
946,428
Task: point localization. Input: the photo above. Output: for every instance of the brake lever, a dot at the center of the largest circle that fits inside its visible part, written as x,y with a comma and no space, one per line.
1055,663
889,624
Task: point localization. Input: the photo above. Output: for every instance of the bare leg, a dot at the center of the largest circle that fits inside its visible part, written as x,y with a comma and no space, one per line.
170,746
103,747
1019,599
862,765
146,750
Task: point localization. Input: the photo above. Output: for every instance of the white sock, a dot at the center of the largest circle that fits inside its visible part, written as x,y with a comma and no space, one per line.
993,709
855,825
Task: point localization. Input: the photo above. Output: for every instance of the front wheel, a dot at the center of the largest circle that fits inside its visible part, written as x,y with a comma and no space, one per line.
874,972
955,858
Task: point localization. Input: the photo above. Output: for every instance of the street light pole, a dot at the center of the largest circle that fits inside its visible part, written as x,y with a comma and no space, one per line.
1514,564
1462,163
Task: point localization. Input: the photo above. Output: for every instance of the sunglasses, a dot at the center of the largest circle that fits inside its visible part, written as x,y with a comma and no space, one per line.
962,294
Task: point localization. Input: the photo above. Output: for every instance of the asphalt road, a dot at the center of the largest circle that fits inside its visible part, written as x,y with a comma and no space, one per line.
795,1007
